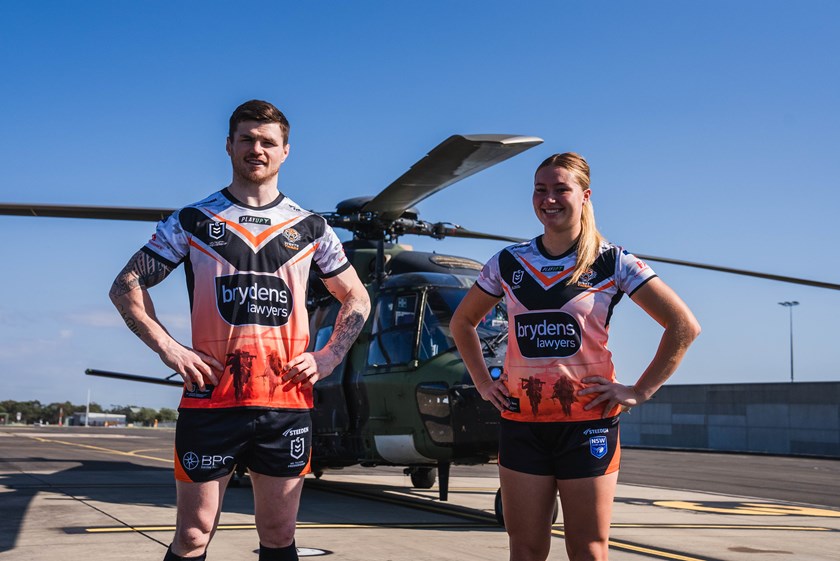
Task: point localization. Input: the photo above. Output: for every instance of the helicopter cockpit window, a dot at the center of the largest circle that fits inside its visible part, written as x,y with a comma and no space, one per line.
435,335
394,328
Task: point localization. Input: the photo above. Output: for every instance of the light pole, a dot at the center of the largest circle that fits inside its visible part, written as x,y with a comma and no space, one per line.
789,306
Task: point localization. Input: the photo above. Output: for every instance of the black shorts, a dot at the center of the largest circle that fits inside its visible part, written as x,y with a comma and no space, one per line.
210,443
564,450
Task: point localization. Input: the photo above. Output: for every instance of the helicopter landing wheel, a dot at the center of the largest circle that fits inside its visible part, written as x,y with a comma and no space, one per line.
500,515
422,477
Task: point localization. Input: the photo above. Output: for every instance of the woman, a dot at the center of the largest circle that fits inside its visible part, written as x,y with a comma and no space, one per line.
559,397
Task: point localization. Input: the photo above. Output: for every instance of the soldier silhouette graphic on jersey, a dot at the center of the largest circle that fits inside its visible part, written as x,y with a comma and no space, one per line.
564,392
240,362
533,389
273,371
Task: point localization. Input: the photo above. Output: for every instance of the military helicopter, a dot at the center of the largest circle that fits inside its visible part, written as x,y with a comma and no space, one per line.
402,396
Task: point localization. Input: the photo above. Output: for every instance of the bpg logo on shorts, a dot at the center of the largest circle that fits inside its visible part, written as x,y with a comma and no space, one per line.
547,335
191,461
598,446
248,299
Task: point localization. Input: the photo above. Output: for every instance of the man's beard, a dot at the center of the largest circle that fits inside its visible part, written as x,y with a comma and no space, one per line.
259,175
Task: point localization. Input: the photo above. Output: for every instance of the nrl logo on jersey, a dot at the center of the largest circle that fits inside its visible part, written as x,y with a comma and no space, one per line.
585,280
216,230
292,238
517,276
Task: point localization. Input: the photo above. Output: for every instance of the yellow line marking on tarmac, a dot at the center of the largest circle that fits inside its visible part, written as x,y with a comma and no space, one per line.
678,556
101,449
723,527
135,452
750,509
301,526
337,526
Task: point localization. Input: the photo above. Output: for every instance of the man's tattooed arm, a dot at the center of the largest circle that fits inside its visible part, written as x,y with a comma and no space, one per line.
355,307
348,325
141,271
132,302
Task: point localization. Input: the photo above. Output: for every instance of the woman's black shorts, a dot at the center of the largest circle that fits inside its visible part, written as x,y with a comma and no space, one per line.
564,450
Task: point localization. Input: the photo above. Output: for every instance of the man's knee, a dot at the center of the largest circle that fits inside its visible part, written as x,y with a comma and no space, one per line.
276,533
191,540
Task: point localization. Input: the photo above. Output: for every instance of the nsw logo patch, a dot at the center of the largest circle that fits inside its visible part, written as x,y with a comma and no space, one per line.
598,446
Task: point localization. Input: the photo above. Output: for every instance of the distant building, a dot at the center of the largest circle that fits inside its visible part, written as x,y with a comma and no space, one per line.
801,419
97,419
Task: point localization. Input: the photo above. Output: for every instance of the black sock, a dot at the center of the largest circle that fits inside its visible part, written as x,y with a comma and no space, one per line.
288,553
172,557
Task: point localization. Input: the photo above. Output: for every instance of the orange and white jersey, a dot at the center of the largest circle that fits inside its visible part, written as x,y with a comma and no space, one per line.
558,333
247,270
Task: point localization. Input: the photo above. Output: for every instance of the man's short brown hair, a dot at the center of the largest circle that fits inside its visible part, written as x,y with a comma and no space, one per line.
260,111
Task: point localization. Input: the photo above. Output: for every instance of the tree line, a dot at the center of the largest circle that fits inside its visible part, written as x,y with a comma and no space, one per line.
35,412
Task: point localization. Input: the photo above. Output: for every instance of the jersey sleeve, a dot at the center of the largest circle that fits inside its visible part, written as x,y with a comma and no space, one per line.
329,258
170,242
631,272
490,278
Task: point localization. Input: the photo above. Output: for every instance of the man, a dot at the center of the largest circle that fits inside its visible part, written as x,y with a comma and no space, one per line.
248,251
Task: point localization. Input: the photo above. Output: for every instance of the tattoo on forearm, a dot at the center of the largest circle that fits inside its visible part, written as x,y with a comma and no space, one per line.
141,271
349,324
132,324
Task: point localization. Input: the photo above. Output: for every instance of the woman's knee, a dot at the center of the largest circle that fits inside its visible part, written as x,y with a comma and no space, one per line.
596,550
530,549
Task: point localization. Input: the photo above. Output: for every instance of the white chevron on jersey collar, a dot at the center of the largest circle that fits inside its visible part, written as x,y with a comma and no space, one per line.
255,241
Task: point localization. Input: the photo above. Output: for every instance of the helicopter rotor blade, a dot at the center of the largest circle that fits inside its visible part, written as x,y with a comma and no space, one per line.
442,230
135,378
743,272
84,211
155,214
452,160
451,230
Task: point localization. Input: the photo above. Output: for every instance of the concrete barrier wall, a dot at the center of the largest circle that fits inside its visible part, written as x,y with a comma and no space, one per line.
801,418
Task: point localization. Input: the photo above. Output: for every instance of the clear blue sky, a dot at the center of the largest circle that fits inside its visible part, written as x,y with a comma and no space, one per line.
712,129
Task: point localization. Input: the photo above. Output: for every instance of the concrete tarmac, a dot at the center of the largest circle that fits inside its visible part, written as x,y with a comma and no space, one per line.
105,494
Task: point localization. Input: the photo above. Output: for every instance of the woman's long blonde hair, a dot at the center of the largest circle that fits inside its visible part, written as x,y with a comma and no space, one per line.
590,238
